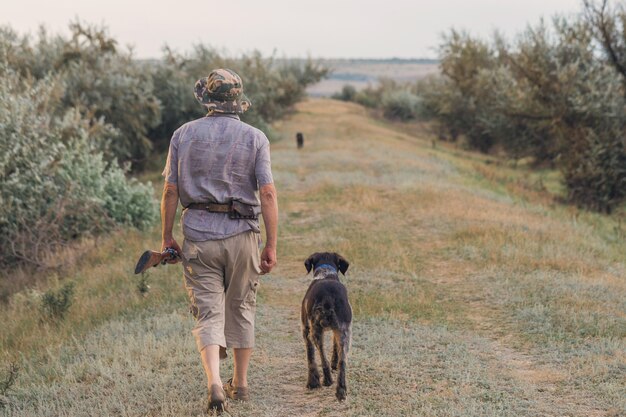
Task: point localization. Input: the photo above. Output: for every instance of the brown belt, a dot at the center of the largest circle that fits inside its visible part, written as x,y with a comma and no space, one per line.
212,207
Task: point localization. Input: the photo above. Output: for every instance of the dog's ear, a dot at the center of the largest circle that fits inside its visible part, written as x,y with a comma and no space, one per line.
310,262
341,263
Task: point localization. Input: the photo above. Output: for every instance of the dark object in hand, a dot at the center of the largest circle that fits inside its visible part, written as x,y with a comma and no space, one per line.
151,258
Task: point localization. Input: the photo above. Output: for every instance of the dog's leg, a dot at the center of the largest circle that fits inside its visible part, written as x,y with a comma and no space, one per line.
335,358
314,375
318,339
345,339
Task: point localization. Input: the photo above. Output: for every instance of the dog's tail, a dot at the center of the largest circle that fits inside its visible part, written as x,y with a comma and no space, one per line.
324,312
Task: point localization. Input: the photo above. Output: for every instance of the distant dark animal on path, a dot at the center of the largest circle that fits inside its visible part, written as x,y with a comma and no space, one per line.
326,307
300,139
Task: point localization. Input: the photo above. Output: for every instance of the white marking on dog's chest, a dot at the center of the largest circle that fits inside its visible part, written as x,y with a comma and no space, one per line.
322,274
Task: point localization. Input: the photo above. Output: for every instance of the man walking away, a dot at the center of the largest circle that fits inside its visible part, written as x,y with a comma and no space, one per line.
215,166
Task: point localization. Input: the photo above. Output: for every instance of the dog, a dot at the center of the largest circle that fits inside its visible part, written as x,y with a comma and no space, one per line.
300,140
326,307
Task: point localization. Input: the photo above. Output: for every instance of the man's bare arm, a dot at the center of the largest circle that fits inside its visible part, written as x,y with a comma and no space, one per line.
269,209
169,203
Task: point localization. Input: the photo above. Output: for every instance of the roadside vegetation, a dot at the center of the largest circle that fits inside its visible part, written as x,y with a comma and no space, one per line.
553,97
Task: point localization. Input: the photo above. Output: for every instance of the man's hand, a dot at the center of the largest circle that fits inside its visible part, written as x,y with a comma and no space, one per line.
171,243
269,209
169,202
268,259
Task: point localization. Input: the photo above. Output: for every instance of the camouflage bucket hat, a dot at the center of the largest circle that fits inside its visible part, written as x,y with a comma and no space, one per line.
222,92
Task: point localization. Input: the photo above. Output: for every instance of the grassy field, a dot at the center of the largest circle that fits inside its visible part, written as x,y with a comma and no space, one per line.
474,295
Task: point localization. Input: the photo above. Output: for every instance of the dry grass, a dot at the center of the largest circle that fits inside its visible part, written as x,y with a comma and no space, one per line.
105,288
149,367
472,296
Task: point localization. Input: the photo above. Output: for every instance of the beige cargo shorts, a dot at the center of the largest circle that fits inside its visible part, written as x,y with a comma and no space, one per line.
221,279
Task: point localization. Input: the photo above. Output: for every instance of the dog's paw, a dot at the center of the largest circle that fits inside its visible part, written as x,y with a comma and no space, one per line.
313,382
328,378
341,394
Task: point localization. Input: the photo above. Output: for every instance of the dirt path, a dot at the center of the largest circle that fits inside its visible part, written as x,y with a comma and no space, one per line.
402,380
280,372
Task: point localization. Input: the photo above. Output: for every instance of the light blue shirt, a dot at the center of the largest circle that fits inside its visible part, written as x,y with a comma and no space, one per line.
217,159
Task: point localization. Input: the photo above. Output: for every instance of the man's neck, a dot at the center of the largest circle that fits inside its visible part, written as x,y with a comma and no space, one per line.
231,115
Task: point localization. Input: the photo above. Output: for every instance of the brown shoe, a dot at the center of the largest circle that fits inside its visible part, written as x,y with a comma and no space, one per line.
236,393
217,399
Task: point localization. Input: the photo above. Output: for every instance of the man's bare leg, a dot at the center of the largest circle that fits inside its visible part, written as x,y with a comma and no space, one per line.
211,362
242,360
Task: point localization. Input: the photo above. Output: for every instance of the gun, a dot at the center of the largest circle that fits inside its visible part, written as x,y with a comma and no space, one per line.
151,258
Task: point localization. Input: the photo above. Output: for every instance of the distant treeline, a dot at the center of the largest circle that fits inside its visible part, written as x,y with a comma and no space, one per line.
78,112
395,61
555,95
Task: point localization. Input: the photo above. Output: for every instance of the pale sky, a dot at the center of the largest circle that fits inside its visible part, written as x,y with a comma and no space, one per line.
320,28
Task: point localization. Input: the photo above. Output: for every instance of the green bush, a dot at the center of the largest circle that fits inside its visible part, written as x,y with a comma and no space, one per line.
595,174
348,93
55,184
101,81
402,105
173,87
550,96
368,97
55,304
567,108
465,98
